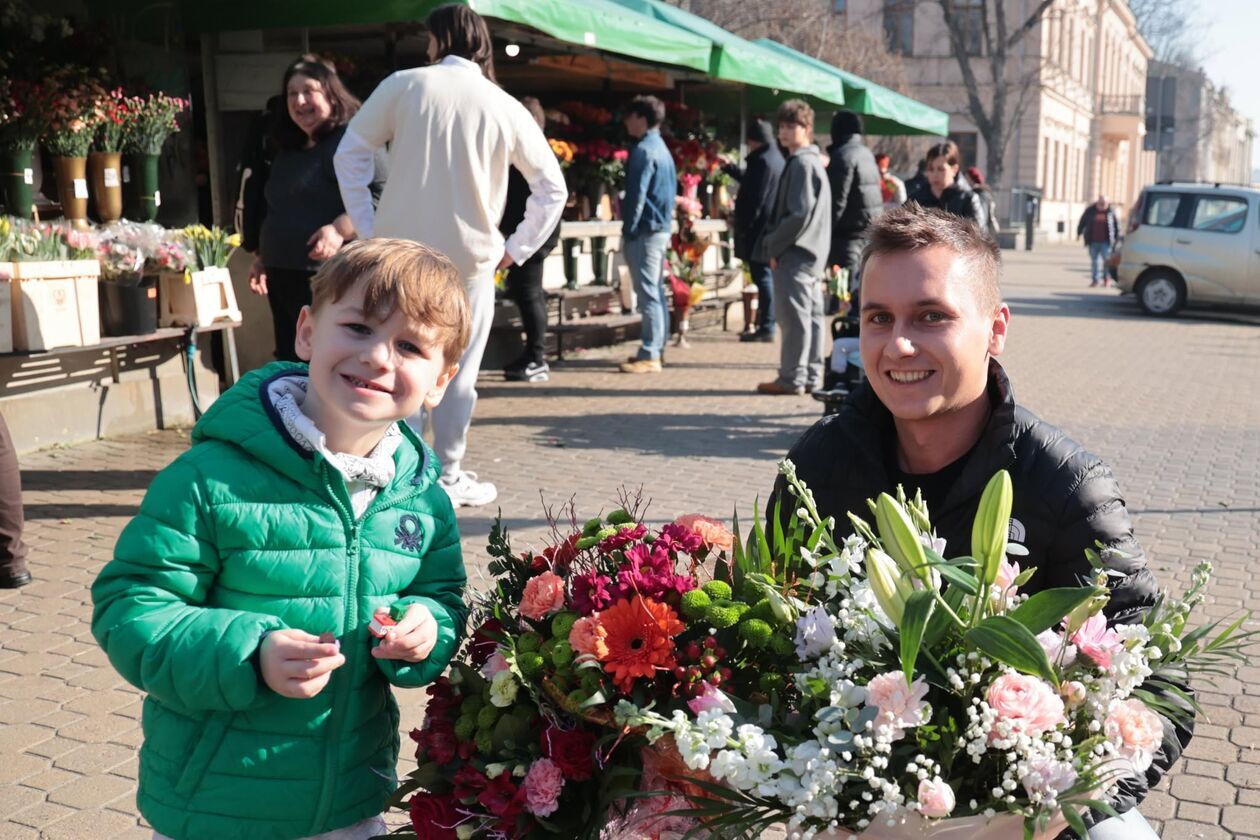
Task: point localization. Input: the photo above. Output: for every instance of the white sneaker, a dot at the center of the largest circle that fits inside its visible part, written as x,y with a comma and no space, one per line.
466,491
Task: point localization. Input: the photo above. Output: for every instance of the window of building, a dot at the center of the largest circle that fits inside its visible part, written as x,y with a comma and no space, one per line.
970,17
899,26
967,148
1044,180
1220,215
839,5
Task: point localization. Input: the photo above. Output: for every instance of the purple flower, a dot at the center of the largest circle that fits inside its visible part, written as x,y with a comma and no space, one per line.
590,592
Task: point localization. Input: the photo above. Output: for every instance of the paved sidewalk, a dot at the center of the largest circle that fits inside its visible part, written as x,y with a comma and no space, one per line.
1174,407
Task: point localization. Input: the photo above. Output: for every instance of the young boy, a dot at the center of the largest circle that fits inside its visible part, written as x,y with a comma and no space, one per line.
240,597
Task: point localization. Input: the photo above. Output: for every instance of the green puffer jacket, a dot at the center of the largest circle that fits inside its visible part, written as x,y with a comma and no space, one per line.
242,534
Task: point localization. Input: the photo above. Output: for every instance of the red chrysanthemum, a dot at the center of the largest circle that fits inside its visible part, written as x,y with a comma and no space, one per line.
639,638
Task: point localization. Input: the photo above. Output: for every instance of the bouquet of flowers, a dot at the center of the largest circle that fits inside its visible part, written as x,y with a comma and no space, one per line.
115,115
22,119
599,162
24,241
522,740
74,109
150,120
564,151
129,249
913,704
584,113
209,247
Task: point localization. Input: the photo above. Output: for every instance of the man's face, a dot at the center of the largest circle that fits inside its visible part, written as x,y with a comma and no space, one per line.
1101,203
366,373
926,337
793,136
636,125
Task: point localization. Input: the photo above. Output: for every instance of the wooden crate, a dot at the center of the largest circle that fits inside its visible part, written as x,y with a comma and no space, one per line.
196,297
54,304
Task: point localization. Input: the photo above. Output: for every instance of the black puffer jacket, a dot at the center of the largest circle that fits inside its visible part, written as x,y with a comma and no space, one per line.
1065,500
958,198
856,198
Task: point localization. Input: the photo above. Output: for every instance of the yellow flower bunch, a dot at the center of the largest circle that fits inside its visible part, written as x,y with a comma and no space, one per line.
564,150
211,247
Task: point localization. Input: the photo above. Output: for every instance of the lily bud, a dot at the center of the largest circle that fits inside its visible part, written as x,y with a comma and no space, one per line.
1087,610
988,531
886,584
900,538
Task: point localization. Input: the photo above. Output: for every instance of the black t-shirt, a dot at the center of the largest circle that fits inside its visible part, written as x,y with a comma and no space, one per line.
935,486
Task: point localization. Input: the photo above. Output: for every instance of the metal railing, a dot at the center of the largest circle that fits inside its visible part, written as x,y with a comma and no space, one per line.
1122,103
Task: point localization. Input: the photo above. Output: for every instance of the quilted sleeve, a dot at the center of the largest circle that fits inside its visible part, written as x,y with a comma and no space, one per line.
149,606
440,587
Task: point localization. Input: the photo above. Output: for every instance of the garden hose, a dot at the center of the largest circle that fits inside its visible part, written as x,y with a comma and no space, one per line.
190,370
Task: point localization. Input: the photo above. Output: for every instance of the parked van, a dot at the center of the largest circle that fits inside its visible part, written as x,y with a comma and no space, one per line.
1192,243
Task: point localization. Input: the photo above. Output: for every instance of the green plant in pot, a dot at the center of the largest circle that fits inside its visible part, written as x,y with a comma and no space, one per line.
22,121
149,121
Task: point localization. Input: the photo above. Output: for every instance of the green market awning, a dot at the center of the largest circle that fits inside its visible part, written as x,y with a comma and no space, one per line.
735,59
595,24
884,111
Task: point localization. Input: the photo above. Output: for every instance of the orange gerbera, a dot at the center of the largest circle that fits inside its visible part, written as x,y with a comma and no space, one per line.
639,639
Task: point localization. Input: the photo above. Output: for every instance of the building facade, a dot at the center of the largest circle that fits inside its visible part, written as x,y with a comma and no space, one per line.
1077,88
1192,128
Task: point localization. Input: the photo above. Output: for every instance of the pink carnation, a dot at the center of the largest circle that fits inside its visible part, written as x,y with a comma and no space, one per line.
1025,703
542,786
496,663
901,706
713,532
543,596
587,636
1136,732
936,798
1097,641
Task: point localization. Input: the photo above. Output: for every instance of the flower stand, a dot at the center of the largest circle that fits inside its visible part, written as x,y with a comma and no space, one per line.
196,297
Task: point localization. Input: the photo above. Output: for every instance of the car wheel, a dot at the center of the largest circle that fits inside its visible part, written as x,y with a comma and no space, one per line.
1161,293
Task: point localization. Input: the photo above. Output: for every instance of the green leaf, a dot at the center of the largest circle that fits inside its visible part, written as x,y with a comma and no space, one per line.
913,622
1074,820
963,580
763,545
940,620
1009,642
1048,607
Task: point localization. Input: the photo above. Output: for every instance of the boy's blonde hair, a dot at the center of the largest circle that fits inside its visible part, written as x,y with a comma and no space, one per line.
398,274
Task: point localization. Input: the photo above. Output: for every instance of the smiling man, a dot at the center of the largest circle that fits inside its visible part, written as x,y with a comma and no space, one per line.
937,413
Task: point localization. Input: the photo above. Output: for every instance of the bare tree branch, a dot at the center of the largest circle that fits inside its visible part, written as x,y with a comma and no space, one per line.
1028,25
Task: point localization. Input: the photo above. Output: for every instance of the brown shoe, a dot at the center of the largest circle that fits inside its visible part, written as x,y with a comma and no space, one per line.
637,359
778,389
641,366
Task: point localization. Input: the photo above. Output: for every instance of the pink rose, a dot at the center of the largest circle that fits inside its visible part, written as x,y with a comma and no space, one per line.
901,706
494,665
1097,641
1136,732
936,798
1025,703
542,786
708,699
587,636
543,596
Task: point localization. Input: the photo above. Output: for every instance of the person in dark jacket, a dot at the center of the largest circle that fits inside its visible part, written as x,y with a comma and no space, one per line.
856,196
758,185
937,413
945,189
525,280
918,181
1101,230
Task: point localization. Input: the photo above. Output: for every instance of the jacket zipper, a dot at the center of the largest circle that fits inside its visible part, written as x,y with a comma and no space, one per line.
341,678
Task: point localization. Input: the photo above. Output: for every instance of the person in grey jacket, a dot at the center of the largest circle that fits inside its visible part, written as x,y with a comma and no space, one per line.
856,198
795,243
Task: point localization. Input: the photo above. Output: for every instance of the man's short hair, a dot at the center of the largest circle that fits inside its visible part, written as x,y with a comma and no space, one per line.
398,274
648,107
796,112
912,228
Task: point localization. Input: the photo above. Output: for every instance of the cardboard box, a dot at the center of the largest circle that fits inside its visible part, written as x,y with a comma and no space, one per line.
54,304
197,297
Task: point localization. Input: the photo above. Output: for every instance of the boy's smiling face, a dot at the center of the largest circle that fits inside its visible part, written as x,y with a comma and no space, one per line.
367,373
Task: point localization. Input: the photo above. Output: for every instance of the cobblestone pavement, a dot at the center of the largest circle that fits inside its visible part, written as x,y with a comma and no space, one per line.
1173,406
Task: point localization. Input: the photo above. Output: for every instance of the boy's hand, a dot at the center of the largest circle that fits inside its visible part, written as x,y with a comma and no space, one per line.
296,664
411,639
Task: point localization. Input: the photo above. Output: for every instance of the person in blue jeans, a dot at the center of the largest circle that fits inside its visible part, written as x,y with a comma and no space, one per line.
758,186
648,213
1101,230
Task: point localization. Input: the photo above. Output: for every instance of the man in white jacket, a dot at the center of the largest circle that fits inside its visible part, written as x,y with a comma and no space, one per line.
452,133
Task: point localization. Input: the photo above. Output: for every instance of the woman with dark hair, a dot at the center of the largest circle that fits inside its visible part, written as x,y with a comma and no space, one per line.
945,190
453,135
305,222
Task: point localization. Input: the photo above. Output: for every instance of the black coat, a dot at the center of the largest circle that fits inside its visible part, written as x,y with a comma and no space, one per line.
514,213
856,198
1085,227
958,198
1065,499
754,202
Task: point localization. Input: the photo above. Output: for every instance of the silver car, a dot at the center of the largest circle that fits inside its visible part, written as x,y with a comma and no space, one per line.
1192,243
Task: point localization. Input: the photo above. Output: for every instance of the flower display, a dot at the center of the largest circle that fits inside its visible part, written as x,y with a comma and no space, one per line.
209,247
115,115
74,108
150,120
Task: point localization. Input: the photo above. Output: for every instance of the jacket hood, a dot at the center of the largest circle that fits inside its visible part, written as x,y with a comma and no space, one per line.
761,131
844,124
807,151
244,417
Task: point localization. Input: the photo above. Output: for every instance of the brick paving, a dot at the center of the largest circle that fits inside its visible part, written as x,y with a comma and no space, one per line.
1173,406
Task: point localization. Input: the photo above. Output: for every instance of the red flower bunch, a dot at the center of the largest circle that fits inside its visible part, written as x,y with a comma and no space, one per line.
74,107
115,115
584,113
